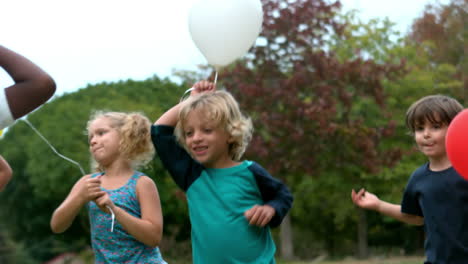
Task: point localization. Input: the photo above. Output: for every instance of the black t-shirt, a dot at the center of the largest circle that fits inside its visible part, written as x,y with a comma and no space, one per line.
441,197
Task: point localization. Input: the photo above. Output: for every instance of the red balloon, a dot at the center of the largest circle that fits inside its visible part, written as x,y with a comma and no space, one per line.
456,143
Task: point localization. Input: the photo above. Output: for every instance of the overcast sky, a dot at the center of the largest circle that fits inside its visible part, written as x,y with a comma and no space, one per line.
91,41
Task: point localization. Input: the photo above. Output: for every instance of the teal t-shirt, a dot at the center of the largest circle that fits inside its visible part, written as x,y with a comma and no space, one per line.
217,200
220,232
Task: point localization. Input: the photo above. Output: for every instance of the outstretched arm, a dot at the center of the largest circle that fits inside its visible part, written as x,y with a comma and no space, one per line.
5,173
370,201
171,116
32,87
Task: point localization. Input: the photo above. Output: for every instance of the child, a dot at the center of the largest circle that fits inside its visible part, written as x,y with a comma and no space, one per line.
5,173
119,142
232,203
436,195
32,87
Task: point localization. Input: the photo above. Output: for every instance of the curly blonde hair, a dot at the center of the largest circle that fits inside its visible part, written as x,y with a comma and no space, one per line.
135,136
221,108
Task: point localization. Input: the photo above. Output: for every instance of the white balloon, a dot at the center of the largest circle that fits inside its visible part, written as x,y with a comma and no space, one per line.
224,30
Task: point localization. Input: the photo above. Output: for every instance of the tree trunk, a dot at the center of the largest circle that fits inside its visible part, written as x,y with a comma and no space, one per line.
287,251
363,250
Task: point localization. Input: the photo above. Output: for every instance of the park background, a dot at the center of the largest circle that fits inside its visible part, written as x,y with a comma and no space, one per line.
327,93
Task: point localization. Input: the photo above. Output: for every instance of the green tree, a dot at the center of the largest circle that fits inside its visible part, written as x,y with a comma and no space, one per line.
442,28
378,41
319,117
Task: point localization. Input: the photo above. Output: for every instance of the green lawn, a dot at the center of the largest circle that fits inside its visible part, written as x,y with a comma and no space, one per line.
394,260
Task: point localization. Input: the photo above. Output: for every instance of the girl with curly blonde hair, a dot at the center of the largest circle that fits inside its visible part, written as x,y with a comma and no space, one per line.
119,143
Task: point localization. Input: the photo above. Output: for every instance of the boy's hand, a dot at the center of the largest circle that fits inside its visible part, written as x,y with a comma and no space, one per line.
260,215
365,199
202,87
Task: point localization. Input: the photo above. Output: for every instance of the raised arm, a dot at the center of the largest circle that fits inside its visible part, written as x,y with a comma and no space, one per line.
5,173
32,87
171,116
370,201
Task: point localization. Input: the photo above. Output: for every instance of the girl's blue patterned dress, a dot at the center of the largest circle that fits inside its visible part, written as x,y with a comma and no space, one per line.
119,246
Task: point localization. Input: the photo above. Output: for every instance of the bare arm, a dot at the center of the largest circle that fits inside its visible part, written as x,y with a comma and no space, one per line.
370,201
148,228
32,87
171,116
5,173
85,190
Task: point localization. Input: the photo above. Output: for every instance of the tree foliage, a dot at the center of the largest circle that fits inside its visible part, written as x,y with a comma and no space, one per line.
321,119
445,27
327,94
442,34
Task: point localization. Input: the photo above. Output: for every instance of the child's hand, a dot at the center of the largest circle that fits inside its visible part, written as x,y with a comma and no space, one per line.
103,202
365,199
260,215
90,188
202,87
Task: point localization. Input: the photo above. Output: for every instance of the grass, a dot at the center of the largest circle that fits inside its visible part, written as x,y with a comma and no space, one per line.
392,260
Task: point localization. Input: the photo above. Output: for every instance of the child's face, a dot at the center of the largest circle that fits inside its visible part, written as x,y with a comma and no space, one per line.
104,141
207,142
430,138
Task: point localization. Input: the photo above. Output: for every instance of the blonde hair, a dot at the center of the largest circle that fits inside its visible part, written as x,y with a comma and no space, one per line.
135,136
430,108
221,108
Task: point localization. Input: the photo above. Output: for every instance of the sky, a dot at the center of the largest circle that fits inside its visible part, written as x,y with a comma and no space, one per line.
93,41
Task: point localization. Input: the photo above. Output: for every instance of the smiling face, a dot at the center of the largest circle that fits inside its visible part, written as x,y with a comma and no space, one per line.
430,139
206,141
104,141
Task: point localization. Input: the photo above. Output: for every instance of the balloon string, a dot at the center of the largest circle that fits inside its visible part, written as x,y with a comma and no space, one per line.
112,217
68,159
191,89
52,147
184,96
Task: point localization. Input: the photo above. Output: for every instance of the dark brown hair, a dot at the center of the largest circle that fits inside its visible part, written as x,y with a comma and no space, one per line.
433,108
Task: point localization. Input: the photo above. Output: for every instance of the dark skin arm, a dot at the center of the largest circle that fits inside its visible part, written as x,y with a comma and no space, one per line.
5,173
32,87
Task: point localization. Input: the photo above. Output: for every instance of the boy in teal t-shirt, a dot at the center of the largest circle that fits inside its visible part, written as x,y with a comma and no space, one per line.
232,203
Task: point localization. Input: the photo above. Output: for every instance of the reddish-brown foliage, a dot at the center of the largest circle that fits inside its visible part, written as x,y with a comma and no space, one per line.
303,99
